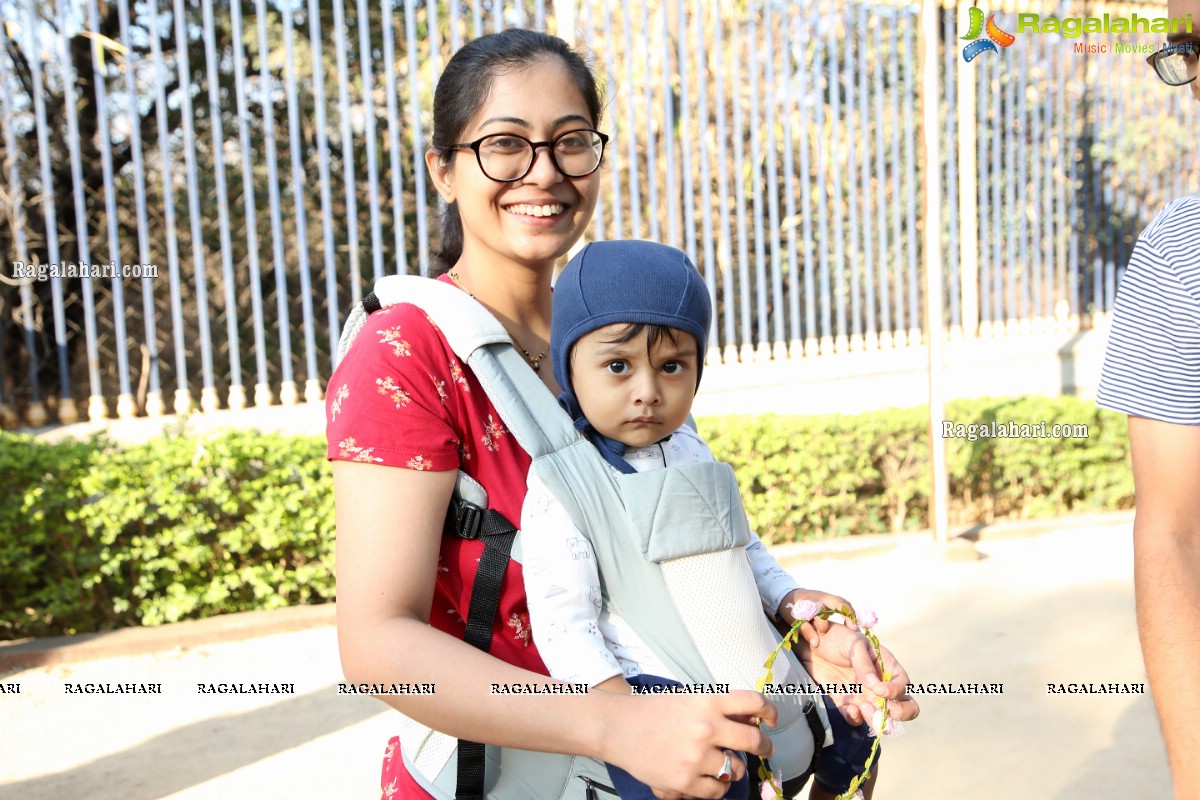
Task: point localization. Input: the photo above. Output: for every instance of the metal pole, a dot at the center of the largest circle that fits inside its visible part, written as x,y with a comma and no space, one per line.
400,263
614,155
182,403
631,137
370,139
36,412
599,216
836,195
703,127
864,197
968,221
152,400
729,355
341,34
742,292
97,408
208,392
662,44
651,138
762,346
323,159
236,398
262,389
67,411
564,21
939,490
125,404
418,135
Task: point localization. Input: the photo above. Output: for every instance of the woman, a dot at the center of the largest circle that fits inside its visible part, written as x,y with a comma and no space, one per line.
514,154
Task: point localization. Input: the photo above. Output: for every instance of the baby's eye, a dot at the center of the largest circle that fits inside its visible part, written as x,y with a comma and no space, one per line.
672,367
617,367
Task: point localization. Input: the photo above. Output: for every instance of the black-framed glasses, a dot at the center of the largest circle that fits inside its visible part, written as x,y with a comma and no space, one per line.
1176,63
508,157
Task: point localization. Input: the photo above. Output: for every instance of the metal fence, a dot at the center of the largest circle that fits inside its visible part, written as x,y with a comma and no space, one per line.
258,164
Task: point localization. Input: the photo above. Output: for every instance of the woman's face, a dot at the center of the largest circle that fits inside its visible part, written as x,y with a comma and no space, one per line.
536,219
1178,9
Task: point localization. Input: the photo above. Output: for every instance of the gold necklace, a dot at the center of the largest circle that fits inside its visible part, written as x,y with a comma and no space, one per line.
535,362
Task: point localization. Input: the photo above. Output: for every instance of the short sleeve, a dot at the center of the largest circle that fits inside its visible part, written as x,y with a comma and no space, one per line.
1152,363
387,402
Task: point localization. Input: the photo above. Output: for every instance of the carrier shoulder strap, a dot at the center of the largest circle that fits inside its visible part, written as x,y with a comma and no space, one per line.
476,337
571,466
530,411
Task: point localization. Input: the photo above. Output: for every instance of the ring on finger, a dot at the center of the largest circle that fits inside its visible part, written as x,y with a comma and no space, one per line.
726,773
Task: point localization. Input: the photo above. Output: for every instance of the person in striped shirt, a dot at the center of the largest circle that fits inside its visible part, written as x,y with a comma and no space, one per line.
1152,373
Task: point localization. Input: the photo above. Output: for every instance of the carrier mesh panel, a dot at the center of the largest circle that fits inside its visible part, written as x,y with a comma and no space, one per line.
428,750
718,600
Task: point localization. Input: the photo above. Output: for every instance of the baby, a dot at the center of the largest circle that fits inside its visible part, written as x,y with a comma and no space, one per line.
628,338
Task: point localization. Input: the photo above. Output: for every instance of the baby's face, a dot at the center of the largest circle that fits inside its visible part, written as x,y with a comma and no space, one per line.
632,394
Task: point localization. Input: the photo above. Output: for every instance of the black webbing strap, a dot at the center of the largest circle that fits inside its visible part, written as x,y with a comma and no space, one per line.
469,521
371,303
818,732
594,787
792,787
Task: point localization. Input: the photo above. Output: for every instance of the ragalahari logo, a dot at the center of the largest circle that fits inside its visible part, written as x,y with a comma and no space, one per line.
995,36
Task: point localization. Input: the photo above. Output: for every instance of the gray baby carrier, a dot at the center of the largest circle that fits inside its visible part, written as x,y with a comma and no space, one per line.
670,547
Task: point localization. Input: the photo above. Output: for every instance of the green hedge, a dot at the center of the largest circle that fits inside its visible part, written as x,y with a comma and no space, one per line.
806,477
93,536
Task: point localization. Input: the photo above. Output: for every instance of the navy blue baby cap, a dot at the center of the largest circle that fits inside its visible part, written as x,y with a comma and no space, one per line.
623,282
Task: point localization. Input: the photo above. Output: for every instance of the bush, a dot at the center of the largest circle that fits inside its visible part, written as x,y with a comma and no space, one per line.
93,536
806,477
180,528
44,556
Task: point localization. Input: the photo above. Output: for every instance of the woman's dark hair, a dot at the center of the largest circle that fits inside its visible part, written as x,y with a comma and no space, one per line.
463,89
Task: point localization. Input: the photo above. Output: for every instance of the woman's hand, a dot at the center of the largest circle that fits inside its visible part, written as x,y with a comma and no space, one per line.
845,656
812,630
387,563
676,743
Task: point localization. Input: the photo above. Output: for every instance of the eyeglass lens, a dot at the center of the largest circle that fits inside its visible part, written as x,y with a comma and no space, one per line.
1177,68
507,157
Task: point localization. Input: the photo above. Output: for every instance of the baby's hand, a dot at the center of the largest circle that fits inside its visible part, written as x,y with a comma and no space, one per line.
808,602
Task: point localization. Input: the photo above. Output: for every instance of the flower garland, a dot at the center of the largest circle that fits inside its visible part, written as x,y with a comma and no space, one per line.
880,723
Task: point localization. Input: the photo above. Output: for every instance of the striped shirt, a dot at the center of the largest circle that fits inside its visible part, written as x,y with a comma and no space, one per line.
1152,365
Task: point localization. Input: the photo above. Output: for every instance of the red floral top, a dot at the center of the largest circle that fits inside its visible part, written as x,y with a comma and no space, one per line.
402,398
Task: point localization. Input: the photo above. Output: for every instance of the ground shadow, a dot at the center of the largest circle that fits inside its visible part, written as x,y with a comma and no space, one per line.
1133,753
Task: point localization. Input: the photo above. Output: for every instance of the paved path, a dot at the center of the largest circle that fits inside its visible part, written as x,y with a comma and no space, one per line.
1056,608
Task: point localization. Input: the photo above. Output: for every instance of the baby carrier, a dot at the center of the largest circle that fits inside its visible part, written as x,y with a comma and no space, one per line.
669,545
